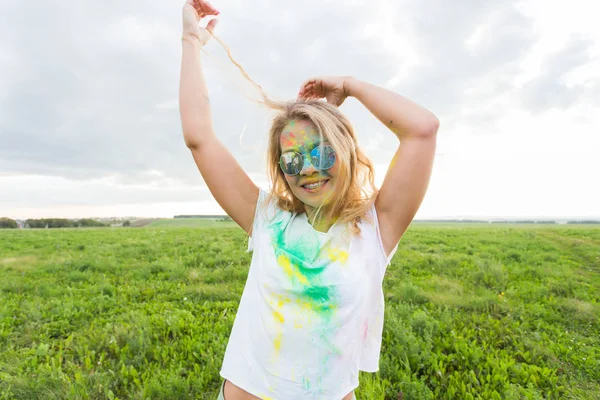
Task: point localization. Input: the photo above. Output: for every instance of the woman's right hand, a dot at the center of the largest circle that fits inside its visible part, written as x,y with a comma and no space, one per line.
193,12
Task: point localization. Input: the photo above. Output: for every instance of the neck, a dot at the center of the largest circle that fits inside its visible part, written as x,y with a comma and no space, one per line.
321,223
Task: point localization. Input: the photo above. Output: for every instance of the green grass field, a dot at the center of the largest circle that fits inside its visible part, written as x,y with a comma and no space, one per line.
190,223
472,312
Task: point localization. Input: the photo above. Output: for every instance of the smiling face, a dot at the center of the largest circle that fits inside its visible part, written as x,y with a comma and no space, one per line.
302,137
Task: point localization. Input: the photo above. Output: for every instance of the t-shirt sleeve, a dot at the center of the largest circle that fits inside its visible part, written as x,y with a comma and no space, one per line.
263,210
388,258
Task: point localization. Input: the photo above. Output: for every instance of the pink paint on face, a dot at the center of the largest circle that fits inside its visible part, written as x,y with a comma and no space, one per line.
288,139
303,136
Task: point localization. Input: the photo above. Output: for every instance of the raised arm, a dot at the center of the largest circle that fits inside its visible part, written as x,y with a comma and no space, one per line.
408,175
229,184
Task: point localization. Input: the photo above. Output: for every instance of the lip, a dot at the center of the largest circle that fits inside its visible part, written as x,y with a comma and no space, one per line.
317,189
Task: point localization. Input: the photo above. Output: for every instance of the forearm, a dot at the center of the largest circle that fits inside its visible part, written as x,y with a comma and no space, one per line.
194,106
401,115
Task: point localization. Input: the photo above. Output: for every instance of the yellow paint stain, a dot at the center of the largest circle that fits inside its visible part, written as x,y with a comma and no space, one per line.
277,343
278,316
266,398
308,306
297,325
289,270
282,300
338,255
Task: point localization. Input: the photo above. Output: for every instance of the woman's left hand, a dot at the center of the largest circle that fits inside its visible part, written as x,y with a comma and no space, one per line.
332,88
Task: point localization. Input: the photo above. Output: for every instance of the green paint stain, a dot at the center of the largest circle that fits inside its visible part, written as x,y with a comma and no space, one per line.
306,383
319,296
303,256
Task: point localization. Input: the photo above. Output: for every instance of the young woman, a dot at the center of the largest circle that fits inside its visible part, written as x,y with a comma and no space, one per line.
311,313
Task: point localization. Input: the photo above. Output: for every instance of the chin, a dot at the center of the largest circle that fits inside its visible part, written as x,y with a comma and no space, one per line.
313,200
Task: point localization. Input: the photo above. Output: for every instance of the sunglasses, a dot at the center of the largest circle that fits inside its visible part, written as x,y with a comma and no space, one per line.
321,157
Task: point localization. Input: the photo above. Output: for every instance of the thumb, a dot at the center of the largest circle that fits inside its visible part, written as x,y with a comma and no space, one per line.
211,25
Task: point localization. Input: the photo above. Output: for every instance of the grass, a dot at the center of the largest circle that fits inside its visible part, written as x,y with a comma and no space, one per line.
191,223
491,312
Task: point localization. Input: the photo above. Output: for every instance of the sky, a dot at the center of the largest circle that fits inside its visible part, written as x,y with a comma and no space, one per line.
89,119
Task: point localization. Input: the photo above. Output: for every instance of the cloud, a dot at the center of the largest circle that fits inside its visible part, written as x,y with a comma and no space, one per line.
95,192
551,88
89,91
455,62
90,98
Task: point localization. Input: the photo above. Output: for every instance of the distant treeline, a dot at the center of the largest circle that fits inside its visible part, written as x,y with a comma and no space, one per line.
220,217
51,223
63,223
8,223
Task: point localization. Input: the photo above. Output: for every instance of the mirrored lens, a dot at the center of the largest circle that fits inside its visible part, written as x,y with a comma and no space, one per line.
291,163
323,157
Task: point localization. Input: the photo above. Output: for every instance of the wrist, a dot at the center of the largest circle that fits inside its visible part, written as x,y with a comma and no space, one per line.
191,37
350,84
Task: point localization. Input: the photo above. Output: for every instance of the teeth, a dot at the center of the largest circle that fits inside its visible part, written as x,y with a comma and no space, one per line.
314,185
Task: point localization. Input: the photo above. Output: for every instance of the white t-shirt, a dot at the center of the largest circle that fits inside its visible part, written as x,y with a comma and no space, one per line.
311,314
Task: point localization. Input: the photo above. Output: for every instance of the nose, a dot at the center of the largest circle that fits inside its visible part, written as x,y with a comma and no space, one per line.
307,167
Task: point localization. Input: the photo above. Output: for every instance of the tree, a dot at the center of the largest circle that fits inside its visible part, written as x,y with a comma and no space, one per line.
35,223
87,222
7,223
126,223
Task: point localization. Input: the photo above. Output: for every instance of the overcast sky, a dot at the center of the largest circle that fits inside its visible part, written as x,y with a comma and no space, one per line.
89,120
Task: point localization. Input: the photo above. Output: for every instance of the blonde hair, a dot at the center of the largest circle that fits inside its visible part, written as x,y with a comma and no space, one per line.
355,190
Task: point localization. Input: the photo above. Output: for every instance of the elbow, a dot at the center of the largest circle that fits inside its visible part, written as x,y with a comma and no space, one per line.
195,135
194,141
192,145
431,127
191,140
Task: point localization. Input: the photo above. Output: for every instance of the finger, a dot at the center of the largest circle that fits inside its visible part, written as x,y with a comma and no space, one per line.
205,7
318,87
211,25
311,95
306,93
201,12
306,89
305,83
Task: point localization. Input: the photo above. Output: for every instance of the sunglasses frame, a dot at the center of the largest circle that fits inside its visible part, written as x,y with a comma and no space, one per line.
303,155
